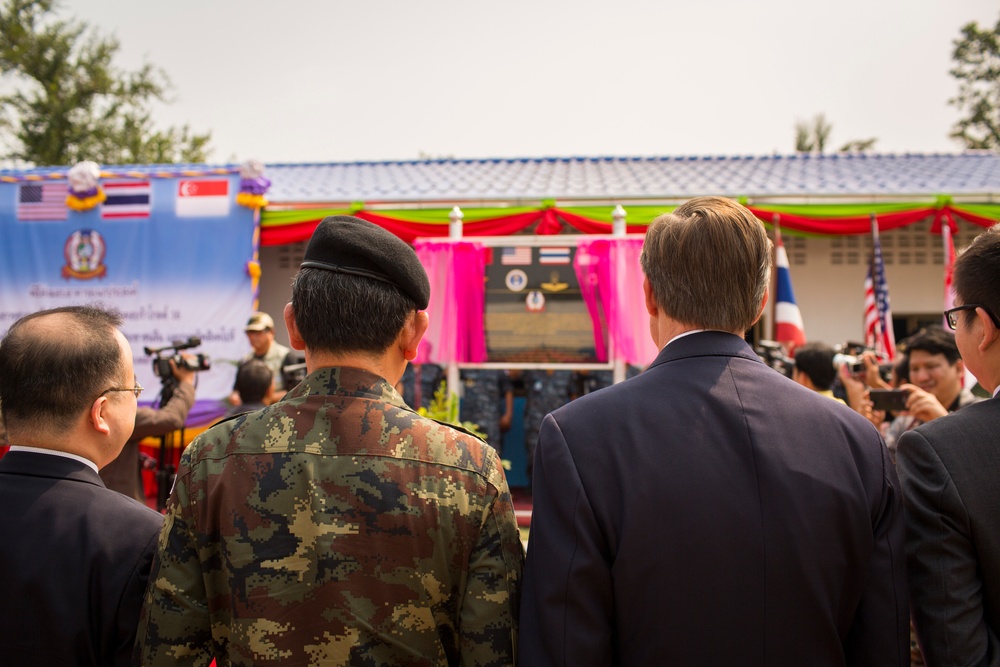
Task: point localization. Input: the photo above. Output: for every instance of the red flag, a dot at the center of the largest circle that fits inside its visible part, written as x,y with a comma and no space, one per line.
949,265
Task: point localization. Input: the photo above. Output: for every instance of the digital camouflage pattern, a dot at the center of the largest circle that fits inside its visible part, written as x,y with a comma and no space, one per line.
482,403
335,527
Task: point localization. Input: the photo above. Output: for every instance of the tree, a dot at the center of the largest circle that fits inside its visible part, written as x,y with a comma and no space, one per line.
812,137
977,68
69,102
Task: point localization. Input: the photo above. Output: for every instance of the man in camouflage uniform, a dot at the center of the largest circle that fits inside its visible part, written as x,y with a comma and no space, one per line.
337,526
488,402
545,391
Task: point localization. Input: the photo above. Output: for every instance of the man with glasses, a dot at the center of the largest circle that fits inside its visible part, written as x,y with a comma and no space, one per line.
949,470
74,556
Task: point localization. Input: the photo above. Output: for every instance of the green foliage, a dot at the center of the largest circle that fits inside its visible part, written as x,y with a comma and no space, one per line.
69,102
977,68
444,408
813,136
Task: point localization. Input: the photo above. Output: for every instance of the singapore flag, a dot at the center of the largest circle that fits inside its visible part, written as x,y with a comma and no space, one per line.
196,199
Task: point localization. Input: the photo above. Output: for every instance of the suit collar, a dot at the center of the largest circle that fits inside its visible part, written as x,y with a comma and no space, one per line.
45,465
704,344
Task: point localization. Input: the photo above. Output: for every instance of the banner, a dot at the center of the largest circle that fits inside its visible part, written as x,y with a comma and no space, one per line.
170,254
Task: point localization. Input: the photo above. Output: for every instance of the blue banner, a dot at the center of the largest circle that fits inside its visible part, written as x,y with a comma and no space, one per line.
170,254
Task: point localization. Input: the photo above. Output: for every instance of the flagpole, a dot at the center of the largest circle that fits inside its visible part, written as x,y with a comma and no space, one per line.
872,271
776,221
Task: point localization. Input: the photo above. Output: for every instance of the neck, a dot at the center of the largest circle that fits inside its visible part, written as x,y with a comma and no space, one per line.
69,442
385,365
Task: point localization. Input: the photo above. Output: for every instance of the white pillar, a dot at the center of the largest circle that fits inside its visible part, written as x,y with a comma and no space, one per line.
455,226
618,221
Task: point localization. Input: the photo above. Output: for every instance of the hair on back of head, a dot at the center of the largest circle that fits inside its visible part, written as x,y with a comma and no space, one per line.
977,273
343,313
816,361
253,379
55,363
708,264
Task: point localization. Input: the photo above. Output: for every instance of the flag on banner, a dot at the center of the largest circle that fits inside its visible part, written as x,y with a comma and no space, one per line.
203,198
515,256
788,328
41,201
126,199
949,266
878,314
553,255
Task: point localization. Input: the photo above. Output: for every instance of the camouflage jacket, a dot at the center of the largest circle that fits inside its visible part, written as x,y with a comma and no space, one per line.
335,527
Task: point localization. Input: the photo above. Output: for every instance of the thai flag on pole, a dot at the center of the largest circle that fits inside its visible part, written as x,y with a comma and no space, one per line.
788,328
878,314
949,264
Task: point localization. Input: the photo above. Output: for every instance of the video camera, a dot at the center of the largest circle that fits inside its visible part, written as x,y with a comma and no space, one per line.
773,354
162,357
850,354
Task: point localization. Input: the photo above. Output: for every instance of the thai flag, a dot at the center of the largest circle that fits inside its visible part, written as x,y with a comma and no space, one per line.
878,315
126,199
788,328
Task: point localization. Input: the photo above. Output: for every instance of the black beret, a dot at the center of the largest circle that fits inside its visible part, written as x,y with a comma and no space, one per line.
346,244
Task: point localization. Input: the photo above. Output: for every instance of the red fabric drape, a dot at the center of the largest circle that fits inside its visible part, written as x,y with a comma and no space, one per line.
588,226
849,225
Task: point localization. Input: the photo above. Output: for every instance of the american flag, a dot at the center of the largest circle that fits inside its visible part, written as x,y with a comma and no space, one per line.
878,315
515,256
41,201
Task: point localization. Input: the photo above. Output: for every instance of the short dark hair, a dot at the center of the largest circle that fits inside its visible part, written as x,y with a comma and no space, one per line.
253,379
708,264
977,273
934,339
816,361
340,312
51,375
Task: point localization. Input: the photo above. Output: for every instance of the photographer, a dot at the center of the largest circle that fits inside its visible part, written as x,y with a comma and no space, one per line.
814,368
123,474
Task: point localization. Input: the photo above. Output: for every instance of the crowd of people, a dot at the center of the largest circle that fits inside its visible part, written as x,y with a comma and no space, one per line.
707,512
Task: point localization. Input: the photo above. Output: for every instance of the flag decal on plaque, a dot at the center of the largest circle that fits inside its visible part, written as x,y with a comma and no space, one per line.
202,198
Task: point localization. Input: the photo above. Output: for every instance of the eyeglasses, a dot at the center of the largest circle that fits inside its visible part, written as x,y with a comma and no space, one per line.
951,315
137,389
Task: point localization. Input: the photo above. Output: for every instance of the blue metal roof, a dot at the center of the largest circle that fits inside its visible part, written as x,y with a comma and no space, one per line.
974,173
619,178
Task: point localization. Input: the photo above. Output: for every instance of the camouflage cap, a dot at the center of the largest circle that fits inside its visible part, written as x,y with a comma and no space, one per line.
346,244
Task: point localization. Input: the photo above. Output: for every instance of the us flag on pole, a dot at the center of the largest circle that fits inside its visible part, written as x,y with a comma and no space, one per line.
878,315
41,201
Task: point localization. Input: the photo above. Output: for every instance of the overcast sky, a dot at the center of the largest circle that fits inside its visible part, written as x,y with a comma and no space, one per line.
344,80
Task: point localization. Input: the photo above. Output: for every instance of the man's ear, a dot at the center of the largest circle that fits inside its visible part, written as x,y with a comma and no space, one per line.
763,303
96,416
294,339
989,329
412,333
647,290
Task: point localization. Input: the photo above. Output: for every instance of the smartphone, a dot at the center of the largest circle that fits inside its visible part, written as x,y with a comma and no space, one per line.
888,399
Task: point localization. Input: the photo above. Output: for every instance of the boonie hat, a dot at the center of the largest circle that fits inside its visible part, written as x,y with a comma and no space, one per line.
259,322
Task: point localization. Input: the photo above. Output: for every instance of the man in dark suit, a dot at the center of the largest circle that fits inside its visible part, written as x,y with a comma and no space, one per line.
75,556
711,511
950,472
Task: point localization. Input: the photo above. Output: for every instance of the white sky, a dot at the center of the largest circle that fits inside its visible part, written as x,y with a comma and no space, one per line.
337,80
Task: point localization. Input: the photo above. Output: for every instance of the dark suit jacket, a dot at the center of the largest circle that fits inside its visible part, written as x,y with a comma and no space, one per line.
950,472
713,512
74,562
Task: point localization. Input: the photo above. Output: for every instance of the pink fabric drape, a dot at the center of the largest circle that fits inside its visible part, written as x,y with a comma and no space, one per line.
456,271
611,283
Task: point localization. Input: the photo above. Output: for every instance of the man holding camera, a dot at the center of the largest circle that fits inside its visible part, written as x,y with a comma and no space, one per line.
948,470
935,389
124,474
